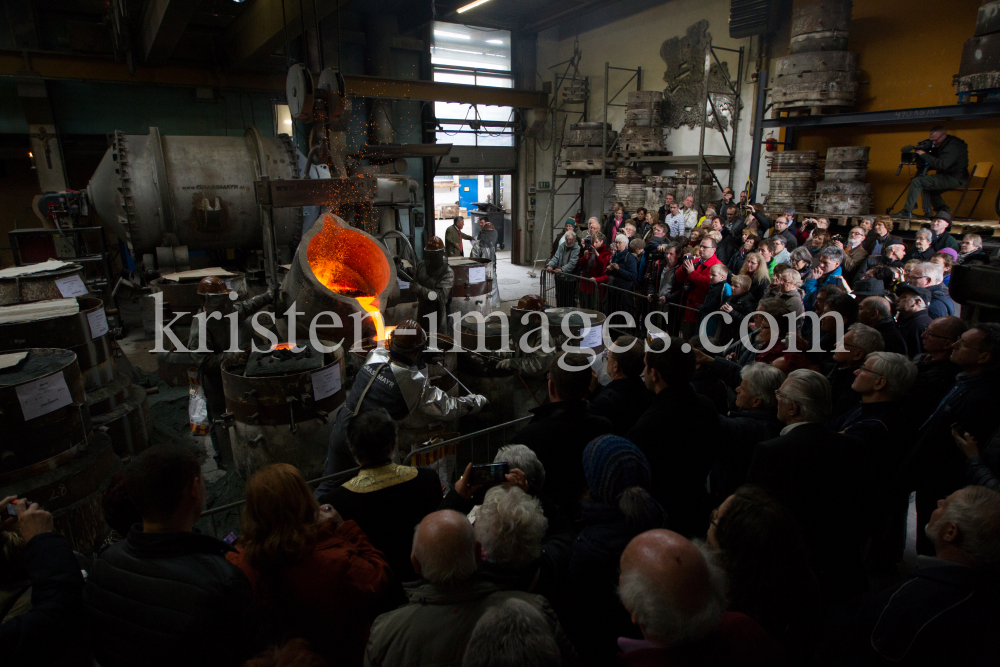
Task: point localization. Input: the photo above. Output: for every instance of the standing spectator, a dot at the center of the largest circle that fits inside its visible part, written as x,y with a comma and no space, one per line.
641,222
563,264
940,224
453,237
676,594
510,526
827,272
879,235
982,465
694,275
732,236
167,595
911,302
756,268
718,292
923,248
299,557
683,461
754,420
385,500
940,615
739,305
444,607
637,247
802,467
854,253
858,342
622,272
766,252
760,547
779,251
893,252
930,276
560,429
674,220
623,400
662,291
40,590
876,312
726,201
514,634
935,370
568,226
971,250
739,258
800,259
935,467
619,508
781,229
790,290
593,227
593,263
690,213
615,224
668,200
945,259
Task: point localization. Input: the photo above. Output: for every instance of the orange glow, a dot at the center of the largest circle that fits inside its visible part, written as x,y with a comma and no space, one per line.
370,304
346,261
281,346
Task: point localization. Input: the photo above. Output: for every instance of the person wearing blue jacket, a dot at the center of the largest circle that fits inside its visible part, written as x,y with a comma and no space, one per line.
827,272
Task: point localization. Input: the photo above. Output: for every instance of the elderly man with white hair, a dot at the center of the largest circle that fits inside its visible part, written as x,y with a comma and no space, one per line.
562,264
676,595
923,248
942,615
930,276
970,250
513,634
814,472
443,609
858,342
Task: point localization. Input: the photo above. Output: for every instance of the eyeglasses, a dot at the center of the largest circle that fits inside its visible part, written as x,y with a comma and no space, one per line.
707,246
865,368
934,335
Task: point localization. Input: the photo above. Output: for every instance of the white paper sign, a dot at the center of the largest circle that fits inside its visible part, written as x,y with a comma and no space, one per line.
477,274
403,284
71,286
44,396
591,337
98,323
326,382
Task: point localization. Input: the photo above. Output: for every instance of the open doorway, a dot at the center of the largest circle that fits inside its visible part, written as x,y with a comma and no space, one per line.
476,197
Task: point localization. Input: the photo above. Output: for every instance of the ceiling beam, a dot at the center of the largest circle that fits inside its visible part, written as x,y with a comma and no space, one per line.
67,66
163,23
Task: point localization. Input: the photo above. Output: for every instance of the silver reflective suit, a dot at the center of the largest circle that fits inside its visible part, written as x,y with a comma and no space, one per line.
433,275
486,248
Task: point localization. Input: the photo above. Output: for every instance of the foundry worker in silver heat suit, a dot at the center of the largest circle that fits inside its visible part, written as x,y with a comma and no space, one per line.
433,281
536,334
485,247
217,297
395,378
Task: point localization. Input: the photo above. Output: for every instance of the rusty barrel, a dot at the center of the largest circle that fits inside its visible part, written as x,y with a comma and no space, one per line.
282,417
58,283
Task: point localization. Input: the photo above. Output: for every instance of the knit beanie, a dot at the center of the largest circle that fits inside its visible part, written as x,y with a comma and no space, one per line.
611,465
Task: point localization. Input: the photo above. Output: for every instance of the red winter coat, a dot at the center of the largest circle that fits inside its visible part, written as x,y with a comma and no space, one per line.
593,267
700,279
330,595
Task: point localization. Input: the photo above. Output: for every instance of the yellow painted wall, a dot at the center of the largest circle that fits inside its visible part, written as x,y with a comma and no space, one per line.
909,51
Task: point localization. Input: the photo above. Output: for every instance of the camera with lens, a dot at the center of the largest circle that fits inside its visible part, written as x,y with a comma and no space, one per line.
909,155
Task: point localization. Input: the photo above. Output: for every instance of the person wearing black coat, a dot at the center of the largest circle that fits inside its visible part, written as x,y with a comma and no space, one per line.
814,472
49,632
876,312
911,302
623,400
165,595
682,459
561,428
935,370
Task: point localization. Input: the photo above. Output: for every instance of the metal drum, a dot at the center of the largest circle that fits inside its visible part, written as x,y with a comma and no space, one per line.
181,296
820,26
72,491
282,417
70,332
43,413
40,286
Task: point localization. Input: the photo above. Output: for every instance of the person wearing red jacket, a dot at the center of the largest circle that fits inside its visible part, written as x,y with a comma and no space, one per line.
693,275
594,261
315,575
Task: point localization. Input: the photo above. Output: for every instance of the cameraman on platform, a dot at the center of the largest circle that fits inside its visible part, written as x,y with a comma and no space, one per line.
949,157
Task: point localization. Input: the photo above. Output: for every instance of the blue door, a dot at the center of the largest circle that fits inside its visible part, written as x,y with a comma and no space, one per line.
468,192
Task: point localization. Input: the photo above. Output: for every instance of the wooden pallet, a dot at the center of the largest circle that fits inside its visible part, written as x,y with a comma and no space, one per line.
820,110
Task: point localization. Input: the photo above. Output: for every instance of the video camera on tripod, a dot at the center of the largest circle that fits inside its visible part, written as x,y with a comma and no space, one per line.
909,156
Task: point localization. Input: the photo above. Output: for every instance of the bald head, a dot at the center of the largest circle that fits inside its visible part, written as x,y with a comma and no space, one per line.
873,310
444,548
674,593
951,326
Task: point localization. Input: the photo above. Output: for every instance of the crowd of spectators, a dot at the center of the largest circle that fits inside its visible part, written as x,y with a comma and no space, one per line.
824,491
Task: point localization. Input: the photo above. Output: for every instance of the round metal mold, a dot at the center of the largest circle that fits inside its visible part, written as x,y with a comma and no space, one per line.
39,286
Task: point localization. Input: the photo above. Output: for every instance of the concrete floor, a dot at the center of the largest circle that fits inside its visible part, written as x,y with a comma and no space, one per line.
514,280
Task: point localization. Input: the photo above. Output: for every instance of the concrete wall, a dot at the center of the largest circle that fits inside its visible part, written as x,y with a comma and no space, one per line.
629,34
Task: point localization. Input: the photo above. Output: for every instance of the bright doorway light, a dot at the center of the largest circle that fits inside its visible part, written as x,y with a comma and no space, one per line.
453,35
472,5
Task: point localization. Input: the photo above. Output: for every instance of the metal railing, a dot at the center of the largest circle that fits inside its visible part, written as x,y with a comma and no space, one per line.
210,514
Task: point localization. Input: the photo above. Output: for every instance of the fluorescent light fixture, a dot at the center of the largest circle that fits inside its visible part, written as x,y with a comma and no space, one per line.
443,48
453,35
288,121
472,5
494,41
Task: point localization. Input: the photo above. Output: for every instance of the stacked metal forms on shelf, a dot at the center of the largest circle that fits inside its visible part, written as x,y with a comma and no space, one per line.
793,181
979,72
630,188
583,144
643,130
819,71
843,190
